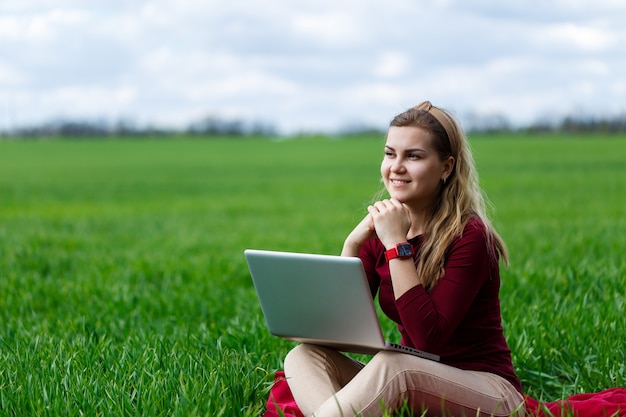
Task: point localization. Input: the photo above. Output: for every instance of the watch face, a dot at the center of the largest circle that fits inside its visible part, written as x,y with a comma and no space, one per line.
405,250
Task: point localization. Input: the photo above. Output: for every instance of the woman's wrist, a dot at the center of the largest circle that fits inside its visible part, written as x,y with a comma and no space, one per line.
392,241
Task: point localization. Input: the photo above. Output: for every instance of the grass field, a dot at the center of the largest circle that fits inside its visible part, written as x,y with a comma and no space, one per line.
125,291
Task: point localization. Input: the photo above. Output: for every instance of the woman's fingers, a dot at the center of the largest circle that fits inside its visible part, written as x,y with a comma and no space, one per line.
387,205
391,220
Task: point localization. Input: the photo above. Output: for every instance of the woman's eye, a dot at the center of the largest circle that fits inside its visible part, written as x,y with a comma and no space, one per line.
388,154
413,156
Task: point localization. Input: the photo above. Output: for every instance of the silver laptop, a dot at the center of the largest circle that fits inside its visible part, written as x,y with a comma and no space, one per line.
319,299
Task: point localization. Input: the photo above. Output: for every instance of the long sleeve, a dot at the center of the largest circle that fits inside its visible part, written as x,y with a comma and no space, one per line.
430,319
460,318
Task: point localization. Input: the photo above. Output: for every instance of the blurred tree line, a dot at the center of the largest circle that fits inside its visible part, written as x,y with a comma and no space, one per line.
214,126
209,126
569,124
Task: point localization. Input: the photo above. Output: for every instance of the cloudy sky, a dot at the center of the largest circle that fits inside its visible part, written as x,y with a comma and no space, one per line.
308,64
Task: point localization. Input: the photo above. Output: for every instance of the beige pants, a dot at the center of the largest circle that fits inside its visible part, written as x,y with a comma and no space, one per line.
327,383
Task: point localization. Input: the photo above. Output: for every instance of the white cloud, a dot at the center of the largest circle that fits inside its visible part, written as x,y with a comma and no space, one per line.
329,29
392,64
40,27
583,37
618,88
9,75
308,63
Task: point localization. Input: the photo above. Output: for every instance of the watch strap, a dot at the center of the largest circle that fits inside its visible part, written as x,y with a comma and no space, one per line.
403,250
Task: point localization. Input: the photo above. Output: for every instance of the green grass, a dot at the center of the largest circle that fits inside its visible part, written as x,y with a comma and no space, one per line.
125,292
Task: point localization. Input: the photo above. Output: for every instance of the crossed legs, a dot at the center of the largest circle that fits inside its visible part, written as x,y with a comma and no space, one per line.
327,383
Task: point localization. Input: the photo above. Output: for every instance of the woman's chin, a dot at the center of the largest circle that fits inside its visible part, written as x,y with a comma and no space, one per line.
401,197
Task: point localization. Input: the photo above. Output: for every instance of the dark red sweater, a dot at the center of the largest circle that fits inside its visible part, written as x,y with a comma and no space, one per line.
460,319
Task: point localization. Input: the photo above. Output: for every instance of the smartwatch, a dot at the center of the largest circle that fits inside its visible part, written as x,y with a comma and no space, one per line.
402,250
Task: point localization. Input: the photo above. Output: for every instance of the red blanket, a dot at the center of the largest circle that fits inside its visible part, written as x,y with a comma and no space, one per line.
281,399
608,403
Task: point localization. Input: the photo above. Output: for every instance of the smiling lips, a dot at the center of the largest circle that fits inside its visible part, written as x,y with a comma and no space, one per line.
399,182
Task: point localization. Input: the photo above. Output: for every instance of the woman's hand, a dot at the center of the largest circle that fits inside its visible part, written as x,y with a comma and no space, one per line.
363,232
392,221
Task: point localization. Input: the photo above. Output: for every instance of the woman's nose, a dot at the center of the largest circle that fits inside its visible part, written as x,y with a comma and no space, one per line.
397,166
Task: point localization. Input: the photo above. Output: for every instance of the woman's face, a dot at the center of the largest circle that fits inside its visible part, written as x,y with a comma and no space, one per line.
411,169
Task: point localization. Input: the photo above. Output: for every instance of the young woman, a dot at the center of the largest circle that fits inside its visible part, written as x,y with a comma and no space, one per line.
433,257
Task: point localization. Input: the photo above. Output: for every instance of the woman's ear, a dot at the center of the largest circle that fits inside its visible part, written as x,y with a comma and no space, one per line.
448,166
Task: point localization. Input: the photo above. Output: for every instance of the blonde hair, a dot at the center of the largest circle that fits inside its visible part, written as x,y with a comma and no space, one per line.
460,197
